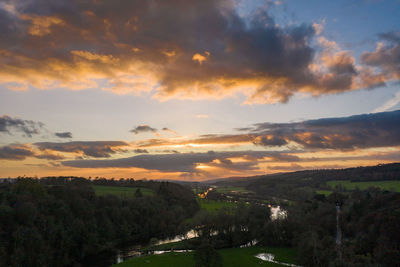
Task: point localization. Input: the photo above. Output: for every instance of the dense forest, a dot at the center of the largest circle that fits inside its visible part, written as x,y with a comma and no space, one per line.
369,223
61,221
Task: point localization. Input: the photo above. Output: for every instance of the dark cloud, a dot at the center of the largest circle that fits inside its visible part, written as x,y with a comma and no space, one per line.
360,131
27,127
270,140
237,166
97,149
183,162
64,135
185,49
23,151
386,56
143,129
15,152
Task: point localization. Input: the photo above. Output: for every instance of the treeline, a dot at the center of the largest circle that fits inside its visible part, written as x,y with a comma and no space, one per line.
61,222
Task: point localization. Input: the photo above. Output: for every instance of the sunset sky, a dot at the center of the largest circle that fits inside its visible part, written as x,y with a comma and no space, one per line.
195,90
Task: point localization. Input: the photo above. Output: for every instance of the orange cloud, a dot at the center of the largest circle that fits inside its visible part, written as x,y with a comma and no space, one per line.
41,25
200,58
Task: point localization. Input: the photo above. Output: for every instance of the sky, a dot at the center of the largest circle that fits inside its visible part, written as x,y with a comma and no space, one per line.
196,90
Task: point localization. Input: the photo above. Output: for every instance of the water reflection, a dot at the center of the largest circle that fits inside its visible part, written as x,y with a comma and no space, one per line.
271,258
277,213
137,250
190,234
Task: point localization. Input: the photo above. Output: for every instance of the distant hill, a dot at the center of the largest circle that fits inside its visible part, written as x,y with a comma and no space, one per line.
370,173
304,182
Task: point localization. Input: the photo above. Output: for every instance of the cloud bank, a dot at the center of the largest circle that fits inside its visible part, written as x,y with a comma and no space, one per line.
182,162
344,133
359,131
23,151
96,149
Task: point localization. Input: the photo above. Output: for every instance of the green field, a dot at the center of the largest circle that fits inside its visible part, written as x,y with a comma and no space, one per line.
232,257
214,205
232,189
324,192
102,190
385,185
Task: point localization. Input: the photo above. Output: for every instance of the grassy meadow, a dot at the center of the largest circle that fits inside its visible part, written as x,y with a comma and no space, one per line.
384,185
232,189
215,205
324,192
232,257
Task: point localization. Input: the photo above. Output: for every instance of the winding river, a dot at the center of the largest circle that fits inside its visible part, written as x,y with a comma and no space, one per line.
127,252
137,250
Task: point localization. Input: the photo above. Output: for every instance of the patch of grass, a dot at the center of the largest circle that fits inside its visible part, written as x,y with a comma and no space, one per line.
324,192
231,257
172,259
214,205
120,191
393,185
232,189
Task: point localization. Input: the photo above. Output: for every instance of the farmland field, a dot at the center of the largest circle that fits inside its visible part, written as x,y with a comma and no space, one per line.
232,189
385,185
324,192
215,205
120,191
233,257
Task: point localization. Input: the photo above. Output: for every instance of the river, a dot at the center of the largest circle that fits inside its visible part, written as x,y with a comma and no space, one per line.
137,250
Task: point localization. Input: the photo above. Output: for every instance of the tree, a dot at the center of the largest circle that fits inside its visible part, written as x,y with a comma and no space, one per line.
206,256
138,193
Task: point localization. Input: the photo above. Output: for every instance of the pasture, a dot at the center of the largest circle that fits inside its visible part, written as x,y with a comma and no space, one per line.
232,257
215,205
392,185
232,189
324,192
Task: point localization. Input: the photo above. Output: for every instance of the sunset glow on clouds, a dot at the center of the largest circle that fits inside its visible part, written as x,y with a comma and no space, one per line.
195,89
